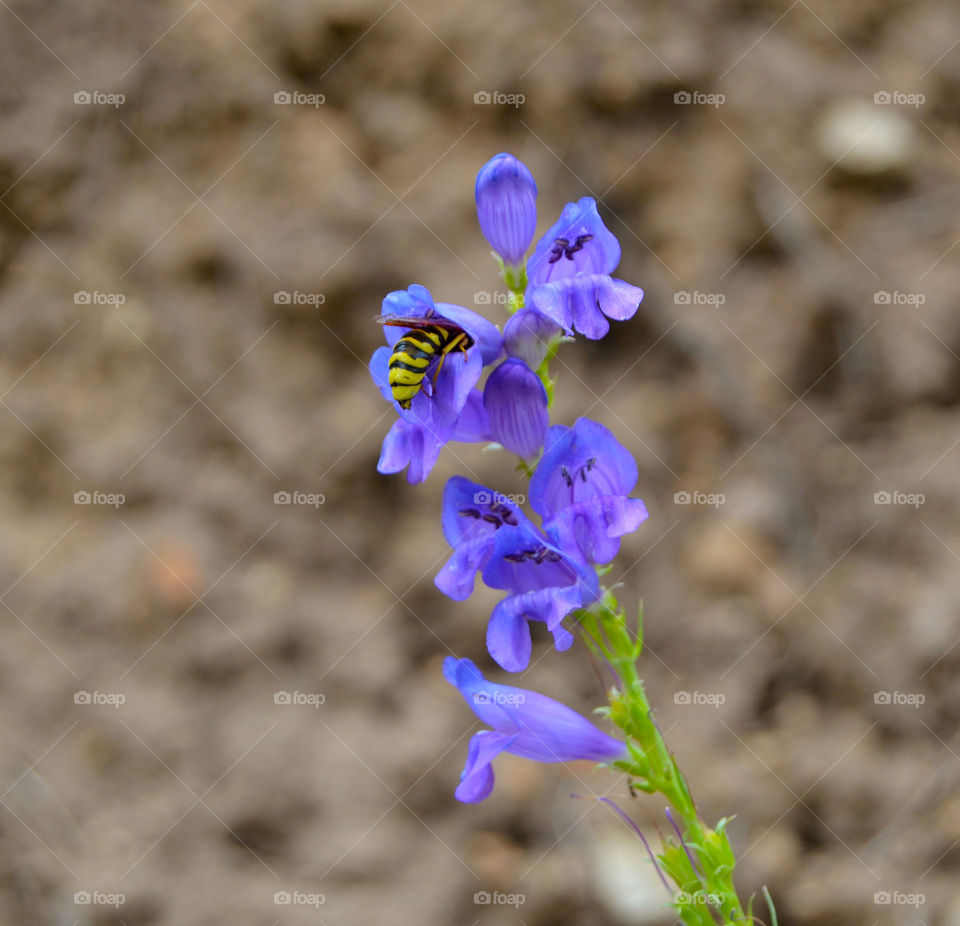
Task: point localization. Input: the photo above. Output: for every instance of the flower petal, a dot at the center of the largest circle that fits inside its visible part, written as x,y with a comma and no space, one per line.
523,560
508,636
476,779
472,514
380,372
471,511
516,402
408,445
455,381
593,527
486,335
584,302
457,577
473,423
508,633
558,254
579,463
414,302
528,336
619,300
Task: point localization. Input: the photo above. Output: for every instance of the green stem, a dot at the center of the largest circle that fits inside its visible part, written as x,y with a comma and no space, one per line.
702,862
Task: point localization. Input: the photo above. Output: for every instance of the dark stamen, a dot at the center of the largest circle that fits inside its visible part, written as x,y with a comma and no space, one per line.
563,248
560,246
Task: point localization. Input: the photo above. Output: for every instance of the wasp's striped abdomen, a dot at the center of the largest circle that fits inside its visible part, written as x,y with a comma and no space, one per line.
413,354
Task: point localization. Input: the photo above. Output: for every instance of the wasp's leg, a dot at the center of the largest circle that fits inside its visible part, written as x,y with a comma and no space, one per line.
437,373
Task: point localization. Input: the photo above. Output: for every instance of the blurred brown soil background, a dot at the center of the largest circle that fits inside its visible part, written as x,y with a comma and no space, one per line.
821,378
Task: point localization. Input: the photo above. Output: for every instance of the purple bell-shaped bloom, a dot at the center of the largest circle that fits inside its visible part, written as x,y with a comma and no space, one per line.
472,514
581,487
516,403
546,584
447,407
524,723
529,335
569,274
507,206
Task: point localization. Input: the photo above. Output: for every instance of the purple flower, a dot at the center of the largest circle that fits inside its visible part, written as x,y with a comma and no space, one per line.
454,411
507,206
416,445
581,487
525,723
578,243
491,534
569,274
546,583
529,335
472,514
447,409
516,402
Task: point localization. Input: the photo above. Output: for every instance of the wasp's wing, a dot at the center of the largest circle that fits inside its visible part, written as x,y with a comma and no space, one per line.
416,321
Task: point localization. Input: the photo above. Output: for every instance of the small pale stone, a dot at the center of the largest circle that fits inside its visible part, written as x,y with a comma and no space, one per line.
866,137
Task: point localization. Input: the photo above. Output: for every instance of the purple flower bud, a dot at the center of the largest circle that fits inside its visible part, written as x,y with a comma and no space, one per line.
528,336
525,723
516,402
507,206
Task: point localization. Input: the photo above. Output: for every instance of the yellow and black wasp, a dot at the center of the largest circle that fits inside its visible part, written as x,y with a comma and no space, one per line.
429,337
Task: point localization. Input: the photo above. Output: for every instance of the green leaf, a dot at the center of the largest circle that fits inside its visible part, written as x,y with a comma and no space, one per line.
770,906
